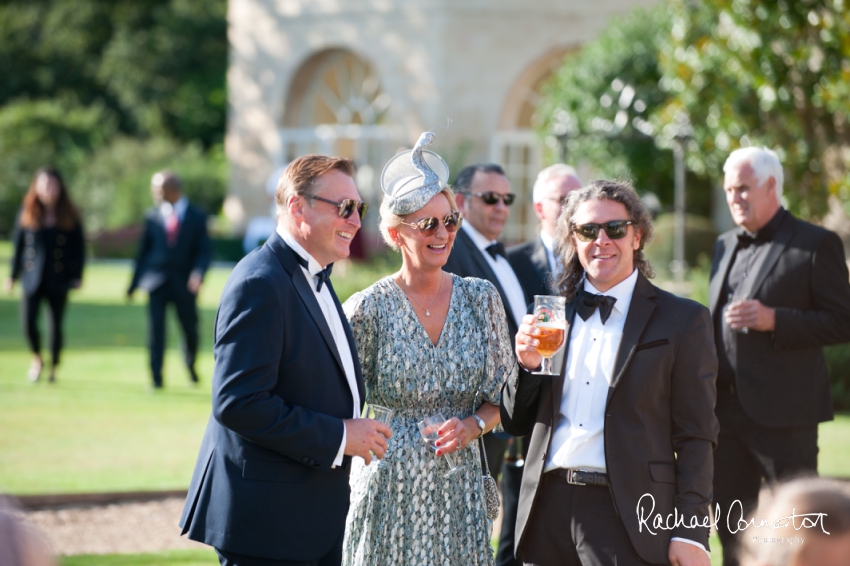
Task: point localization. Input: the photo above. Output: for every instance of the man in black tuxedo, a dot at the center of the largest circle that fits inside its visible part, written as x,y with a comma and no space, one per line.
535,261
484,197
271,481
174,254
626,432
779,292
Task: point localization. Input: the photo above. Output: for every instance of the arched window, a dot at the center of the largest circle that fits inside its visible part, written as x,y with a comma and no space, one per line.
335,106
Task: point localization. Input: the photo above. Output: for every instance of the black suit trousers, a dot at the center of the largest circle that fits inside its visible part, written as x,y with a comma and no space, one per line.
575,526
747,452
332,558
187,313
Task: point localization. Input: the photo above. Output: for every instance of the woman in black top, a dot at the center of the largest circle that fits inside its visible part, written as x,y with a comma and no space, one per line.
49,256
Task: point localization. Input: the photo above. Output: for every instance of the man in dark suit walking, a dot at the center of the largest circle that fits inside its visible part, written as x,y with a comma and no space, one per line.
535,261
174,254
779,292
271,481
625,433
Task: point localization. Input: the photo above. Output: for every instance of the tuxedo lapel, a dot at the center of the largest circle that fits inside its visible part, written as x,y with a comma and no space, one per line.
481,266
558,381
358,371
716,284
768,260
286,255
640,311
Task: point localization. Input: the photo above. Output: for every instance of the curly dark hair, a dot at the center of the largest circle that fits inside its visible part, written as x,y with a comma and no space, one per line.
619,191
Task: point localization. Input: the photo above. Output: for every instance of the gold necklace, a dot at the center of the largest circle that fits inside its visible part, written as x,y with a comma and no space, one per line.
410,294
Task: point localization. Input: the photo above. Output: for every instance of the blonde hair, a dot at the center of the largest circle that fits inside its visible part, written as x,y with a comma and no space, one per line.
390,220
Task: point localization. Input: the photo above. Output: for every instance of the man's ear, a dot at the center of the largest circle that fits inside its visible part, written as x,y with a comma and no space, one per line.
770,185
295,206
460,199
538,209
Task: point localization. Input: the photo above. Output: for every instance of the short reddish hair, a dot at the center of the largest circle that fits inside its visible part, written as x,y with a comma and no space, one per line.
300,175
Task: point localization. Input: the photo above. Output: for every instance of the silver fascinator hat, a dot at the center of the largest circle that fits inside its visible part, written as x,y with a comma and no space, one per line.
411,178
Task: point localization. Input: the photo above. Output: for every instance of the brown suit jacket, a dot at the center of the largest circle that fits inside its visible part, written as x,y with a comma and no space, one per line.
660,428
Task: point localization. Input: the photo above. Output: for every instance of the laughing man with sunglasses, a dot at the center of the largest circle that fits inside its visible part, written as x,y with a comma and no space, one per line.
631,432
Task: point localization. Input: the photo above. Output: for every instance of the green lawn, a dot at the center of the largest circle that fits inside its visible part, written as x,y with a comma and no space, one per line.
201,557
99,427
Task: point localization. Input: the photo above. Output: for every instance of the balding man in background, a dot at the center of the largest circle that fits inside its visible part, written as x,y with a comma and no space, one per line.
174,254
535,261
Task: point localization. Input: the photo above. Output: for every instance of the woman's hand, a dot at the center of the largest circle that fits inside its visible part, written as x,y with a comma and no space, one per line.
9,283
456,434
76,284
527,343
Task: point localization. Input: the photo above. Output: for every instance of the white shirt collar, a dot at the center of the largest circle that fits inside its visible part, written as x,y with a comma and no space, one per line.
179,207
622,291
548,241
313,266
477,237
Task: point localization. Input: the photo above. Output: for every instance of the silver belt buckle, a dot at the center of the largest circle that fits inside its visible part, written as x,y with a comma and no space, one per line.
572,481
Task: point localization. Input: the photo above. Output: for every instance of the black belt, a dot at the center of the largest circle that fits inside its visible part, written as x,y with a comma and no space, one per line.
580,477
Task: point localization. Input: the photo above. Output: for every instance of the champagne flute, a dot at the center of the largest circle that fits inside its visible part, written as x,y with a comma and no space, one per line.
428,429
380,414
550,318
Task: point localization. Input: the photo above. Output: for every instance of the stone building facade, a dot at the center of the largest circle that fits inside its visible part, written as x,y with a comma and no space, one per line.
363,78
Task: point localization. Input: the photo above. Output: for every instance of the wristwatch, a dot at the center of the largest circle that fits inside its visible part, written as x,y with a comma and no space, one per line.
481,425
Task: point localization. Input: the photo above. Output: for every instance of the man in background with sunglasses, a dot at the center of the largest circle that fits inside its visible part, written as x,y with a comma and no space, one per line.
271,480
623,437
779,293
484,197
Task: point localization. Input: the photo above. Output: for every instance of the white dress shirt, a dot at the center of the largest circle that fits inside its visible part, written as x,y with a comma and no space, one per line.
166,208
504,273
549,245
326,303
578,441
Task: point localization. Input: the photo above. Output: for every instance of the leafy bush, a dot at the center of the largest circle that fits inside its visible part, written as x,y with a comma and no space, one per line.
59,133
116,180
699,241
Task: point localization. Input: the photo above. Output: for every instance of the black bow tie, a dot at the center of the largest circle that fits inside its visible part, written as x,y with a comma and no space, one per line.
587,303
745,239
496,249
324,275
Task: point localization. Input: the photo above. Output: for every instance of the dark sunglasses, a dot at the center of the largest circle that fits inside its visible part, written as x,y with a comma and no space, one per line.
491,197
346,207
429,226
615,229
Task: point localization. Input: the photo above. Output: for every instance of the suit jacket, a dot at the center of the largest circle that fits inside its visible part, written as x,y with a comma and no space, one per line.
466,260
31,254
531,266
660,428
781,376
263,484
157,263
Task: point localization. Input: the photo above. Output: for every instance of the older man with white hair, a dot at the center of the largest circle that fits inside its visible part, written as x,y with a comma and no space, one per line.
779,293
535,261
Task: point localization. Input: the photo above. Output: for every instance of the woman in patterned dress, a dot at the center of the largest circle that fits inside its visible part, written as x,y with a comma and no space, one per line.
429,342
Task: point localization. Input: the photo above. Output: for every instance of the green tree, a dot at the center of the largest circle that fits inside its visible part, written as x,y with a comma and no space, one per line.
600,102
764,72
158,65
